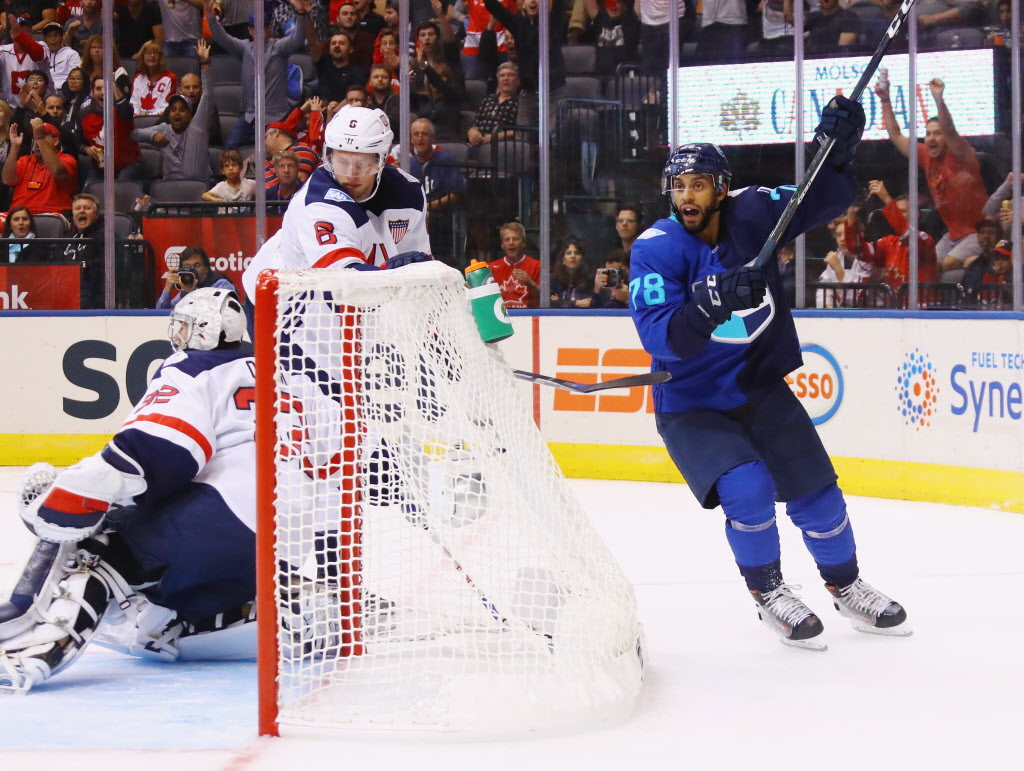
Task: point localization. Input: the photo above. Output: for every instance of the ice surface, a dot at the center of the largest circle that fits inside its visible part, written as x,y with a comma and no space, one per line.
721,692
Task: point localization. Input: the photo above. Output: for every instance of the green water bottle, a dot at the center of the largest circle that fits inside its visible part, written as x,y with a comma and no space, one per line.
488,308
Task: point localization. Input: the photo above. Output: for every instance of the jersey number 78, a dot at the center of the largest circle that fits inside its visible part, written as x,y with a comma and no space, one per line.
653,287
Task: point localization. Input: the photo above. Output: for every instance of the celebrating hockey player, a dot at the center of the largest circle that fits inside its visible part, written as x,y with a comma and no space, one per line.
154,534
729,420
354,210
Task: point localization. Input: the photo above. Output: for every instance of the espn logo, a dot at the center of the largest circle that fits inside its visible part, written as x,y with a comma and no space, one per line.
591,365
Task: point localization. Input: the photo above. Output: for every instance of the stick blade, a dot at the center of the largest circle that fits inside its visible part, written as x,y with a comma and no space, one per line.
648,378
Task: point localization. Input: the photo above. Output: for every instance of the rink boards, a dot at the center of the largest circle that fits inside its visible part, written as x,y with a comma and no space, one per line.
926,406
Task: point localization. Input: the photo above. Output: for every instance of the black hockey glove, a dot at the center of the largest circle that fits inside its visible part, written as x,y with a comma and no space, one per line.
718,295
123,82
844,120
407,258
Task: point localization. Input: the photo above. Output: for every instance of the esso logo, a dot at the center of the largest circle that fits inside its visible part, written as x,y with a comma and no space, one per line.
818,384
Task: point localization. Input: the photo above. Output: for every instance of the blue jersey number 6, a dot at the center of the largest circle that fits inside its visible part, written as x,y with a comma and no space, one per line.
654,289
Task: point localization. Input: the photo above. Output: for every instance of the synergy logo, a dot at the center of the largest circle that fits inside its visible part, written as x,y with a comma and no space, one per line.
990,388
818,384
917,389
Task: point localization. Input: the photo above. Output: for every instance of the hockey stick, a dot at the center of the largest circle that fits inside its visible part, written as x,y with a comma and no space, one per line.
648,378
826,149
414,517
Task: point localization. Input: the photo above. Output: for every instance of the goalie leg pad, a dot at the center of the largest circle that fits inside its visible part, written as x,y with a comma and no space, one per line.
45,565
57,627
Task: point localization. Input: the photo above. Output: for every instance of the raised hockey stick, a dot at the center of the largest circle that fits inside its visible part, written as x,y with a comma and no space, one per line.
648,378
825,150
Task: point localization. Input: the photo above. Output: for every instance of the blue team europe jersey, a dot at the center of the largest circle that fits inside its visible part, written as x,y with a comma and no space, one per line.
747,355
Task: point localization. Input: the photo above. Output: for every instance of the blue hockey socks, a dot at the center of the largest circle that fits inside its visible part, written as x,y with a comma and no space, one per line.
748,499
822,517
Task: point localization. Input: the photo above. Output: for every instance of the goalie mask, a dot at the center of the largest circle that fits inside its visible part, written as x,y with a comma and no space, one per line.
357,130
206,318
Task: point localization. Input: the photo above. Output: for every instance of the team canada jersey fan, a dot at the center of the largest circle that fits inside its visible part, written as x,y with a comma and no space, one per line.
184,429
324,227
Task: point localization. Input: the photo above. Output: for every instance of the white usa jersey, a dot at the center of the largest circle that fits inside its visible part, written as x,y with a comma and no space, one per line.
323,227
196,424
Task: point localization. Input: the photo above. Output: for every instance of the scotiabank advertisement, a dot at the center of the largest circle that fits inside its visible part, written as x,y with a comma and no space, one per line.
230,242
39,287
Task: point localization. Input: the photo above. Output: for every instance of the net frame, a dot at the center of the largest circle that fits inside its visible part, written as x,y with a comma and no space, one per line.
598,693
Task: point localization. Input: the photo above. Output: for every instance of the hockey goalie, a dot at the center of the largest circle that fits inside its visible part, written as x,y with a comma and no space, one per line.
148,545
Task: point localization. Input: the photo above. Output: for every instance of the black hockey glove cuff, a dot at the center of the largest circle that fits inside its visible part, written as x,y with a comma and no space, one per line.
689,331
844,120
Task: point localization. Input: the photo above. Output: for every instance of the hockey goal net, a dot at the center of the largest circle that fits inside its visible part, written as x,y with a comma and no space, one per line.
422,560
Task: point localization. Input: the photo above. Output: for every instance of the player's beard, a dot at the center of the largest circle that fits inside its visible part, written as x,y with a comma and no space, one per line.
705,220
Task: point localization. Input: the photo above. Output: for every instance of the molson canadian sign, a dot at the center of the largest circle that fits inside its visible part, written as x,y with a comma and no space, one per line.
756,104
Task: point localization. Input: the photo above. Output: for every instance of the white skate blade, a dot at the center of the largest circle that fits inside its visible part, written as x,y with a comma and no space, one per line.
901,630
813,644
816,643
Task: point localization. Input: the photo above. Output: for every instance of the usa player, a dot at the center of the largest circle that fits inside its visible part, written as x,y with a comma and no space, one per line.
354,211
154,534
729,420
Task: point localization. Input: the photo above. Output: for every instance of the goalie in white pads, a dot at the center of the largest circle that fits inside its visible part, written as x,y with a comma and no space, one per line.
155,533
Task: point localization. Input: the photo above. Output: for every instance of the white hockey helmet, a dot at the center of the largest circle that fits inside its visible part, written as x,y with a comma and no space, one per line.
205,318
359,130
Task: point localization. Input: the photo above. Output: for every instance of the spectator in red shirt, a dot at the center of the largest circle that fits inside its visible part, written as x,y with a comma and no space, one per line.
126,153
954,178
280,136
517,274
892,253
44,181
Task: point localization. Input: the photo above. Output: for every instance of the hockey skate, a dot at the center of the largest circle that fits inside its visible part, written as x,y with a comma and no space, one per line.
781,610
869,610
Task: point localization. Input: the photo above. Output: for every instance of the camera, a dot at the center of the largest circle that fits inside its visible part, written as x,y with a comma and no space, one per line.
186,277
612,277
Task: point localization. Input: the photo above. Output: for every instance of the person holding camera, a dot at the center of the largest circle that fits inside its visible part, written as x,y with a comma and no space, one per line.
611,283
193,272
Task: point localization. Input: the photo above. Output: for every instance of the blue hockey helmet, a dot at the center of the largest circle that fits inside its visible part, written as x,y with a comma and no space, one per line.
697,158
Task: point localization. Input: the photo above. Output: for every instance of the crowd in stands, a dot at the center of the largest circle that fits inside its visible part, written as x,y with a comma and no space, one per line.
184,97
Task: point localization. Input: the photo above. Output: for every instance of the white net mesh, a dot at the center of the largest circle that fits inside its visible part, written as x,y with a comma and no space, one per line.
436,570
